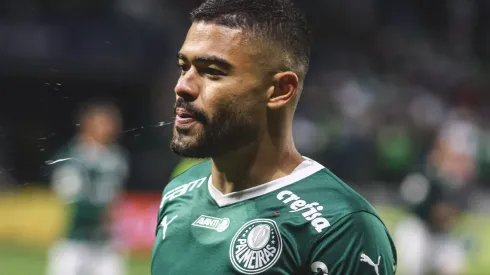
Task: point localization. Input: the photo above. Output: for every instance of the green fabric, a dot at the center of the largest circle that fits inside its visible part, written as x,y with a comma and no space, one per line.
304,222
89,185
396,151
184,165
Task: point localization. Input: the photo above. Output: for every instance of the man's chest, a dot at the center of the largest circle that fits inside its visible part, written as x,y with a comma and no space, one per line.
194,238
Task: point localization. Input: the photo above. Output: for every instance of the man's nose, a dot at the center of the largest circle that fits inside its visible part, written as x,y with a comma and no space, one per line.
188,86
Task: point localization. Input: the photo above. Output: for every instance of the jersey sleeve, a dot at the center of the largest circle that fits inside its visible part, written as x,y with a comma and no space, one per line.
358,244
67,181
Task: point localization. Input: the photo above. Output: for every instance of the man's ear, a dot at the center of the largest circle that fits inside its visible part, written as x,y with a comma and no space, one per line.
284,89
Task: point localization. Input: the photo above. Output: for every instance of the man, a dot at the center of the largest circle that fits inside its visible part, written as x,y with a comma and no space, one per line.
436,196
88,175
258,206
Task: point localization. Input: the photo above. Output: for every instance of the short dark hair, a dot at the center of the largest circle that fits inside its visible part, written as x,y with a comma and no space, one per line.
278,22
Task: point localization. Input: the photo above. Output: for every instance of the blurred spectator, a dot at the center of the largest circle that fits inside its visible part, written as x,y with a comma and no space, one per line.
89,174
437,195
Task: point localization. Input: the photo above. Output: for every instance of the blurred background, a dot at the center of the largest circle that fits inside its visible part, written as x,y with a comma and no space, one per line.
396,103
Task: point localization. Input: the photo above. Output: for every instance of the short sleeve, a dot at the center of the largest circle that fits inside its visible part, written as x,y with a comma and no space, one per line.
357,244
67,181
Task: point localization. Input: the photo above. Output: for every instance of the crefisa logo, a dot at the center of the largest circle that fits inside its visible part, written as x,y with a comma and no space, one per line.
256,246
311,211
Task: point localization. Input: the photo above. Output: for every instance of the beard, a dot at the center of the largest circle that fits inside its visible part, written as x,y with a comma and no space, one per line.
228,130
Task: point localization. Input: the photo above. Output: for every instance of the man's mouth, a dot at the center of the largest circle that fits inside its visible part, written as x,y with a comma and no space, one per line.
184,117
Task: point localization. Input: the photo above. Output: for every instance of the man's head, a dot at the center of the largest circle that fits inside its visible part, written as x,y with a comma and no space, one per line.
99,120
243,65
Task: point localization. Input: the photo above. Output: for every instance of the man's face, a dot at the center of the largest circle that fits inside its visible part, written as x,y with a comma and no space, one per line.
103,127
220,95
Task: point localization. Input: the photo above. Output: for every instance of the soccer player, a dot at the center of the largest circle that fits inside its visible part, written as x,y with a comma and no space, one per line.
437,196
258,206
88,175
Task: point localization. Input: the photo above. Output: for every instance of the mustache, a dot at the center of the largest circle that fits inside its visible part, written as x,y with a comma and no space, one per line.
198,114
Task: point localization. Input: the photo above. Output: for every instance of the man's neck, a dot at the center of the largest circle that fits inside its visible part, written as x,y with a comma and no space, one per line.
254,165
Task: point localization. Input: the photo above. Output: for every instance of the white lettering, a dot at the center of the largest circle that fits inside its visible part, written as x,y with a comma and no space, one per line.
252,260
196,183
268,254
295,205
308,206
260,259
245,257
314,216
271,249
181,190
293,197
311,210
217,224
242,241
320,224
240,248
282,194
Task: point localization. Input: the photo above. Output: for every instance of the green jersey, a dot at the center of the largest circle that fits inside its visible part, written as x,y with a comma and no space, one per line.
88,178
308,222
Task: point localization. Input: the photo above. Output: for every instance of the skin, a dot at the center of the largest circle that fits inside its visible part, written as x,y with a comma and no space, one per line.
248,106
100,127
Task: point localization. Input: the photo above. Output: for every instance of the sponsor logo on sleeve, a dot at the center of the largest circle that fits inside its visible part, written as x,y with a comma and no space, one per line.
310,211
181,190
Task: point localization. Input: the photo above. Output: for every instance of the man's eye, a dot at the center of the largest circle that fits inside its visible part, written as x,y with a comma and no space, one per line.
213,72
183,68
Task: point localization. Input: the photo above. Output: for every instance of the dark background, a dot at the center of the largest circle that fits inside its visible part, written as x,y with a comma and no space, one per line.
381,55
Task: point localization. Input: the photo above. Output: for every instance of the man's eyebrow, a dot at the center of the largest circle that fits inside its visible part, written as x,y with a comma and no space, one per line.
182,56
208,59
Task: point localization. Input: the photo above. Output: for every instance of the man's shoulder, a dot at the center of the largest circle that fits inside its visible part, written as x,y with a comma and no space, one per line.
197,172
119,152
335,198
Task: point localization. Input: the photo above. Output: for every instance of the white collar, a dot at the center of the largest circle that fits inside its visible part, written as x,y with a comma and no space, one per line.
307,168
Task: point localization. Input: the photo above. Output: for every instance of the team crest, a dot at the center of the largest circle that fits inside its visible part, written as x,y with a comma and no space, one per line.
256,246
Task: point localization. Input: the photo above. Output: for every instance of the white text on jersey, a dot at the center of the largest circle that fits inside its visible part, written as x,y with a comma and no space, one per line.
312,209
181,190
209,222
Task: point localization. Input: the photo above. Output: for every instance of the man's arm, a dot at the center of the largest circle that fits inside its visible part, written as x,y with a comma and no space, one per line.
67,181
358,244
